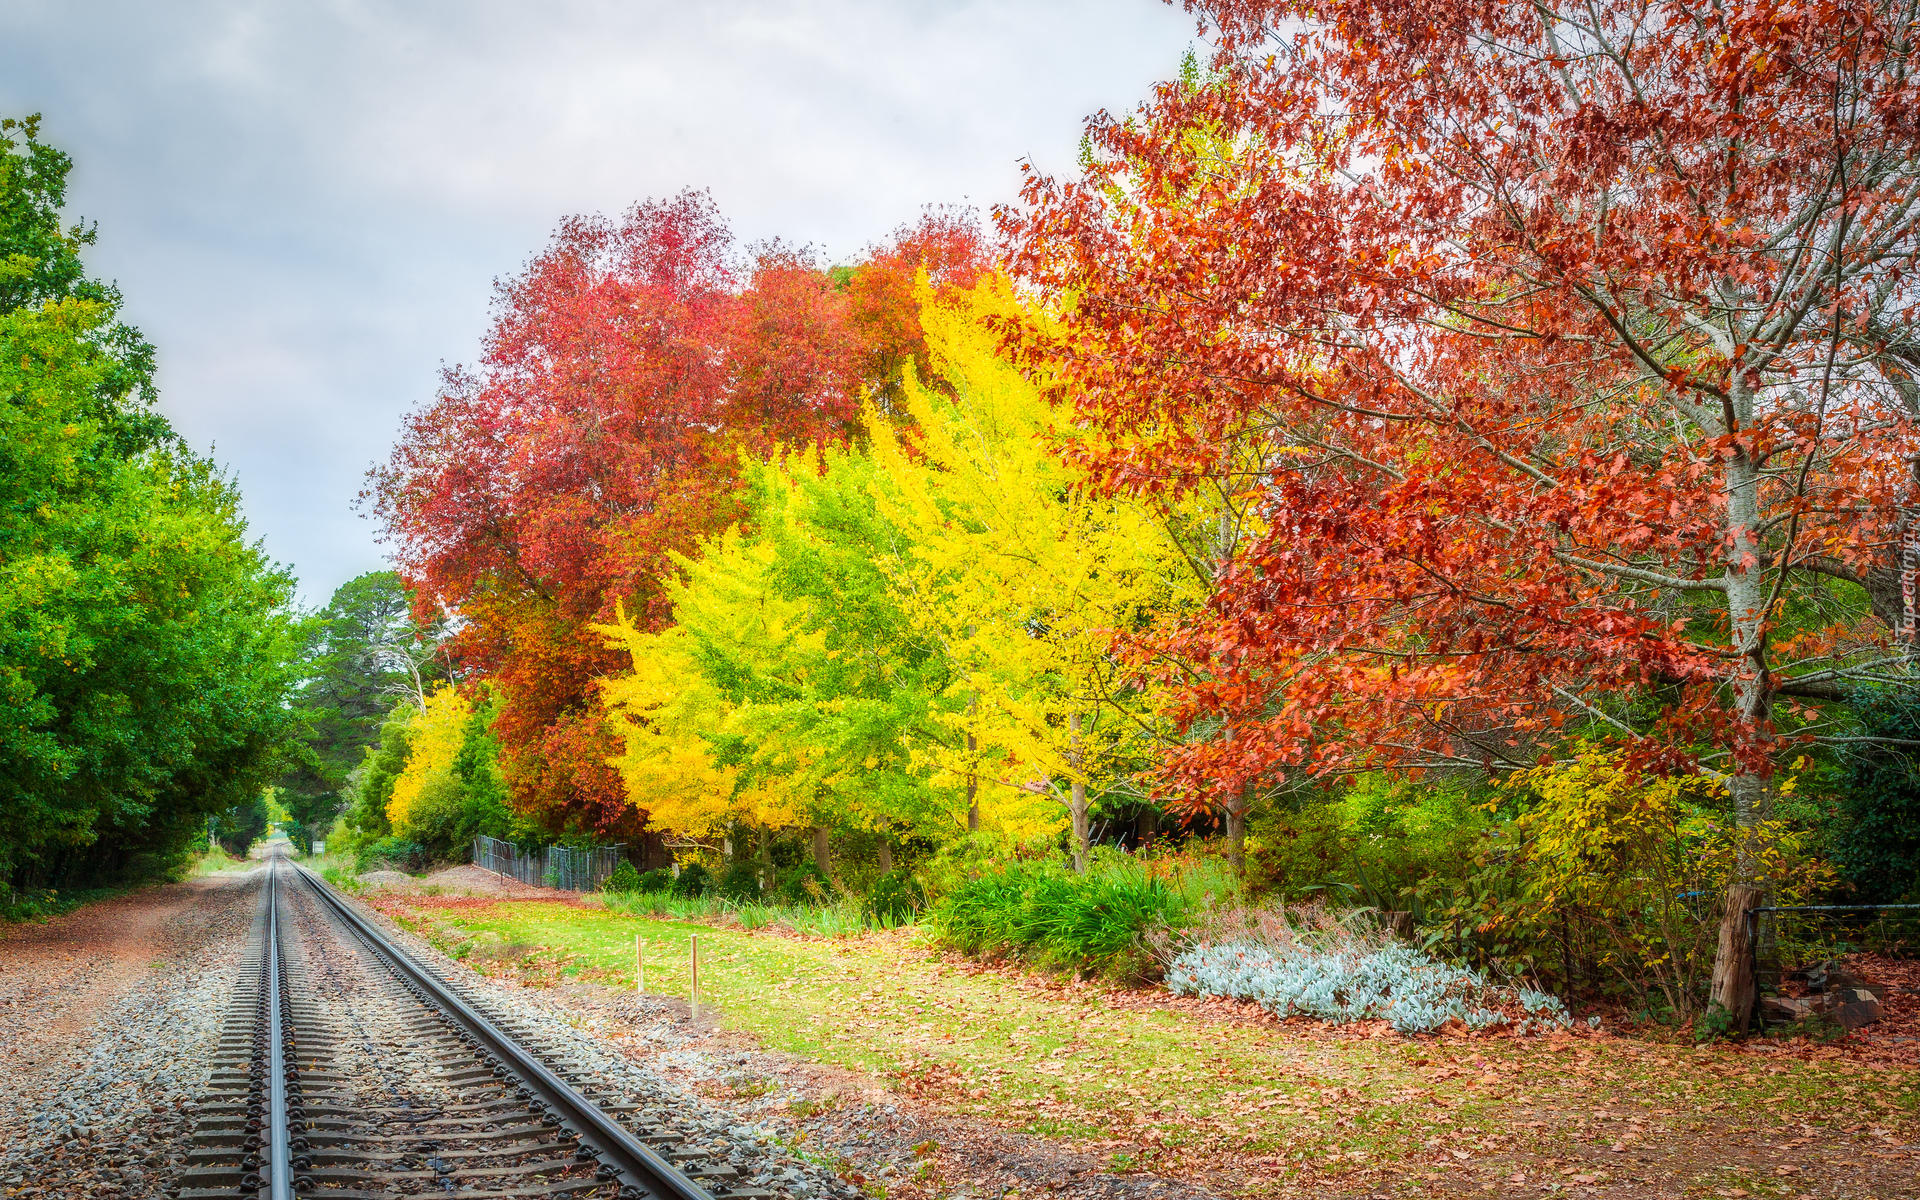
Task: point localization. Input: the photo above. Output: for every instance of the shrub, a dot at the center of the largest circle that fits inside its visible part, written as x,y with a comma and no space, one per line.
1626,872
693,880
1104,921
395,852
624,879
657,880
741,882
803,884
893,899
1879,850
1413,991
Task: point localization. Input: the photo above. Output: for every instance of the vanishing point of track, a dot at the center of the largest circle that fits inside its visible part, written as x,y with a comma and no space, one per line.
347,1070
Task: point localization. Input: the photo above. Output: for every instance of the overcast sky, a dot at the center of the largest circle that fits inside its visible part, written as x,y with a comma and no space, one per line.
306,203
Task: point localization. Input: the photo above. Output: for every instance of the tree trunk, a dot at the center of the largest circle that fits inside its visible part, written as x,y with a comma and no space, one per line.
1752,692
1082,837
1733,965
886,857
822,856
1237,835
766,860
973,775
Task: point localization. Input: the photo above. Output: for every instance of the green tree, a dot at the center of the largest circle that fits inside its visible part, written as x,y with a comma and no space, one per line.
363,650
145,641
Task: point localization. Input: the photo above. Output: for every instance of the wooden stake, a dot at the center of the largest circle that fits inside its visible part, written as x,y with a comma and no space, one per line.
639,967
693,991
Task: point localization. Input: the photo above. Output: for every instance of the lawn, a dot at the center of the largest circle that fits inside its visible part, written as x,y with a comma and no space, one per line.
1211,1091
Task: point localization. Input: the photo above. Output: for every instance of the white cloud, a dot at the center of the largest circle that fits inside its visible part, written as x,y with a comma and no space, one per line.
306,204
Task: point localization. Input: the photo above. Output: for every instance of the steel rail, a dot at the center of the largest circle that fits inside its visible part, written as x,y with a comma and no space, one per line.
638,1167
279,1139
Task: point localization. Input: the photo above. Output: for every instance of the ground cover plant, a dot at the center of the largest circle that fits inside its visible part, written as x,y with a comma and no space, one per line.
1227,1094
1310,963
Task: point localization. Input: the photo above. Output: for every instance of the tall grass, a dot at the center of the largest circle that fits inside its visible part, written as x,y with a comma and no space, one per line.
1112,921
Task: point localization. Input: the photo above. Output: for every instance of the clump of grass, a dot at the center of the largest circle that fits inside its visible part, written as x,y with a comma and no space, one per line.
343,879
1108,921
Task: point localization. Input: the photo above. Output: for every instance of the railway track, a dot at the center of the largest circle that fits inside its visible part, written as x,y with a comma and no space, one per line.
347,1070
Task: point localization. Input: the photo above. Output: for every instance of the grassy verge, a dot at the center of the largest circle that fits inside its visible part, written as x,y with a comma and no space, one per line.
1154,1083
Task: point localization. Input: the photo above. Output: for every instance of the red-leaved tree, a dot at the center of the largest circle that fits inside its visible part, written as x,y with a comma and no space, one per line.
1560,357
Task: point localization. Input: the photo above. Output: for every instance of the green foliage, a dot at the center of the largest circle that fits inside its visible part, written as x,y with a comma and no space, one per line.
239,827
1878,849
894,898
394,852
624,879
693,880
657,880
370,786
1385,843
802,883
741,881
359,653
1099,922
145,640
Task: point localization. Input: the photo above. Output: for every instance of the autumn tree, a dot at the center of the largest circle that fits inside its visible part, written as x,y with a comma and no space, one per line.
1581,339
629,366
1017,570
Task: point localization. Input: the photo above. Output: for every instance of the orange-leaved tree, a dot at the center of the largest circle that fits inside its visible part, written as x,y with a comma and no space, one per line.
1578,345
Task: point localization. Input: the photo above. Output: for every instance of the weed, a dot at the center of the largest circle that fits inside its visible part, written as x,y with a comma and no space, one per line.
744,1086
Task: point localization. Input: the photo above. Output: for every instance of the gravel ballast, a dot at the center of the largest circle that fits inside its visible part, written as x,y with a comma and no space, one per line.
109,1116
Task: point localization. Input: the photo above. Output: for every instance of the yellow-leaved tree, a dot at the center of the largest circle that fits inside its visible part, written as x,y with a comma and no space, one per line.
436,730
910,636
1019,569
674,713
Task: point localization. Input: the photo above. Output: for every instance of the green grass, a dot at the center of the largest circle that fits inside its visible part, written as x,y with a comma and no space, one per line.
1150,1081
218,862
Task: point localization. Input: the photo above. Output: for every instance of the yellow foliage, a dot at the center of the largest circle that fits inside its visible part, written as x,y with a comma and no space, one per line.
436,734
663,710
1012,575
1013,564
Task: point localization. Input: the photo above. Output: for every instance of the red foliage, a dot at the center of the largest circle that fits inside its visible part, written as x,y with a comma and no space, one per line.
1554,356
629,366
